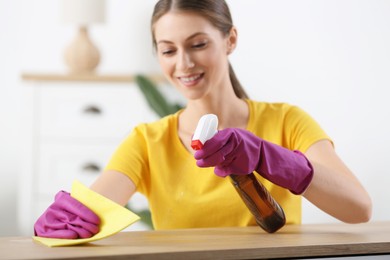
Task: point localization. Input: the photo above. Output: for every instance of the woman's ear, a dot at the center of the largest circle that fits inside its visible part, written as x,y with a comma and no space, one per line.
232,40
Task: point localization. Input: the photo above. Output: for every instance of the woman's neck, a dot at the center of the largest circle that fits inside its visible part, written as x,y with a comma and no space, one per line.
231,112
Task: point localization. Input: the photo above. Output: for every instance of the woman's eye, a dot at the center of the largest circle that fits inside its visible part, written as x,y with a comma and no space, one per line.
167,52
199,45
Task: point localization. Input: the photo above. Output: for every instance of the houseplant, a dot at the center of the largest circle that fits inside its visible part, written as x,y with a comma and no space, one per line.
155,99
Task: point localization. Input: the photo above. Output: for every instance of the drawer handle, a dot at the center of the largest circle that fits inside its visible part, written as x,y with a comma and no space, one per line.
93,110
92,168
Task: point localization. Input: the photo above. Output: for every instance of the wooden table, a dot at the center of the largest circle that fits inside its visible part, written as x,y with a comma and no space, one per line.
217,243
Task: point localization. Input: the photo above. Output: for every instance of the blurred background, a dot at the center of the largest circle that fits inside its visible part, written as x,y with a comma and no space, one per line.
331,58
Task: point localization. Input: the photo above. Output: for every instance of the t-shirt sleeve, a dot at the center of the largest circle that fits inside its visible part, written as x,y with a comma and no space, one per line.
302,130
130,158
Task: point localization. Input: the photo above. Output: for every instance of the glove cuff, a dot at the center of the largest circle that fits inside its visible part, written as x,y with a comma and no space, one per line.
286,168
307,169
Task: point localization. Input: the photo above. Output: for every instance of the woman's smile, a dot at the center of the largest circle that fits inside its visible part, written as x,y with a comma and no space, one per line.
191,80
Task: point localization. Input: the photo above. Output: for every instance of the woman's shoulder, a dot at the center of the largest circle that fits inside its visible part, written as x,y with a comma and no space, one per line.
158,127
271,107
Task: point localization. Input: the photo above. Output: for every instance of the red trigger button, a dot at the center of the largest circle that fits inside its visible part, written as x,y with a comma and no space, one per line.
196,144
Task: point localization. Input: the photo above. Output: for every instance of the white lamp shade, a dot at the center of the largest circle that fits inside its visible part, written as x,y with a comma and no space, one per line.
83,12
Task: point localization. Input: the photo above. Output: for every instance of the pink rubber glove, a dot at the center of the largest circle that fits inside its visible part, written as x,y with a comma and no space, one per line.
238,151
67,218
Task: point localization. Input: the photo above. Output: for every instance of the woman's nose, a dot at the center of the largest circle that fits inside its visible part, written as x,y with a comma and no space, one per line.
184,61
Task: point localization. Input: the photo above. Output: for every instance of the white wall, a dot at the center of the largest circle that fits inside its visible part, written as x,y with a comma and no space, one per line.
330,57
9,117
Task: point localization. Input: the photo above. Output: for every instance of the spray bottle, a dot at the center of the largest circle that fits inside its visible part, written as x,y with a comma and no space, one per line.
267,212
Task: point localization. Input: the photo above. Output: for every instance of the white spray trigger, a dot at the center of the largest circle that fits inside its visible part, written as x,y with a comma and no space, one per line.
205,130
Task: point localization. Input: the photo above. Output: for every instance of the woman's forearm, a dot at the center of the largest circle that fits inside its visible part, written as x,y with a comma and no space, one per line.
338,195
334,189
115,186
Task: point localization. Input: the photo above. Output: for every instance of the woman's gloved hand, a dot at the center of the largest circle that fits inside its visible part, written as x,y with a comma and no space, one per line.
67,218
238,151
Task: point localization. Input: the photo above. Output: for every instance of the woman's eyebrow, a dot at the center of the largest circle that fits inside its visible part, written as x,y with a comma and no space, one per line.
188,38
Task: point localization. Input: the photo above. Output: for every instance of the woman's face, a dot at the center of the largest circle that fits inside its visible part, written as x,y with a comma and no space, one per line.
193,53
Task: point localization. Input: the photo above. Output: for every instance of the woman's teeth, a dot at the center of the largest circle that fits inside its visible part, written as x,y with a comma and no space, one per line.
189,79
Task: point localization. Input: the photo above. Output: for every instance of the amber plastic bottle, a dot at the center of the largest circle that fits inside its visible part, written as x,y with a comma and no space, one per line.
267,212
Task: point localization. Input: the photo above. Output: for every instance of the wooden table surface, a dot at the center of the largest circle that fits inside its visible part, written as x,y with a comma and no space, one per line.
217,243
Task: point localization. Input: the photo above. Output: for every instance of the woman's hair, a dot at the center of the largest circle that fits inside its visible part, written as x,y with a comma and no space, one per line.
215,11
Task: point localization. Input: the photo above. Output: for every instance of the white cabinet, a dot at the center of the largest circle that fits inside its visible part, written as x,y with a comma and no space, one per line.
72,127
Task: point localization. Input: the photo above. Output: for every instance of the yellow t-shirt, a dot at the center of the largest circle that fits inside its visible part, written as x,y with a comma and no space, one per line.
182,195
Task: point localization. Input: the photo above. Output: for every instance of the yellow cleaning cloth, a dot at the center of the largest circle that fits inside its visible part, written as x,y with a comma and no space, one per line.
113,216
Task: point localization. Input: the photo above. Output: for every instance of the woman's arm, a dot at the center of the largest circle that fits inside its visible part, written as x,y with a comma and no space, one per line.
334,189
114,185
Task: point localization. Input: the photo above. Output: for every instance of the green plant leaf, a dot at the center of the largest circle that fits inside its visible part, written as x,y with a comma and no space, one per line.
154,97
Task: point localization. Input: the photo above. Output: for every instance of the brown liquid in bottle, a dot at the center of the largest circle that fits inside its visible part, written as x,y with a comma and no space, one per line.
267,212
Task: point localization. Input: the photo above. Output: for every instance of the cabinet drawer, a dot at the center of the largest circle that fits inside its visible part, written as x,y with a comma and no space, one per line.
91,111
60,164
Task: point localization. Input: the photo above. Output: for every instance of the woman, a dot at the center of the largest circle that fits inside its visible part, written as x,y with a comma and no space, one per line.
286,147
